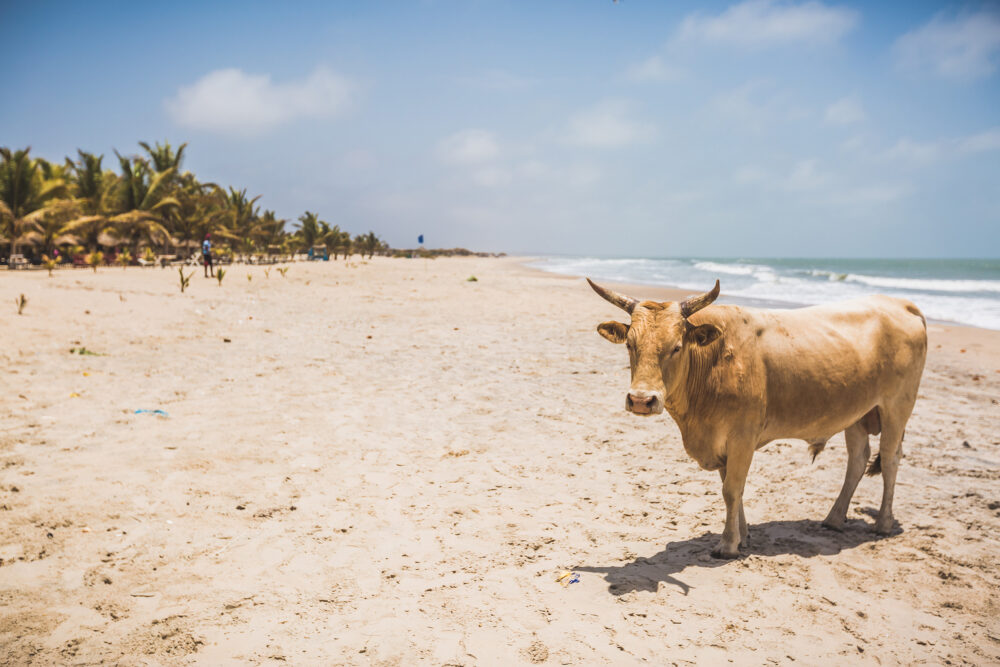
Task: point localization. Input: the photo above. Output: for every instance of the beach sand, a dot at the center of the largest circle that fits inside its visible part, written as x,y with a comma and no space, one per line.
385,464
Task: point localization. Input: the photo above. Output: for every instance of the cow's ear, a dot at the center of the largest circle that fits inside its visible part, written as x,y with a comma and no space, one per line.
613,331
703,334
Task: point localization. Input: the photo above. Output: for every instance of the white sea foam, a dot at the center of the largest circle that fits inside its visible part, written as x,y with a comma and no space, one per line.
925,285
942,294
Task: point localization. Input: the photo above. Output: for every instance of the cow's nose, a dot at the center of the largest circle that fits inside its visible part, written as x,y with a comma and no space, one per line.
641,405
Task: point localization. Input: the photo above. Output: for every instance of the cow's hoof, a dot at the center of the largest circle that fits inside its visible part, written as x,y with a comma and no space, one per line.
721,552
834,525
884,530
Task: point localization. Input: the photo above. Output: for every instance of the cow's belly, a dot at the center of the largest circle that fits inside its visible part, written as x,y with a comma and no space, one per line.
818,390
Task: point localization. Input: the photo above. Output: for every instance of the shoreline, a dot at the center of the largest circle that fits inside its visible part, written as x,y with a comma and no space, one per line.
751,302
974,349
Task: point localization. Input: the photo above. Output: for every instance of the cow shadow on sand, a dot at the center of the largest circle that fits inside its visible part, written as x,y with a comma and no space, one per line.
805,538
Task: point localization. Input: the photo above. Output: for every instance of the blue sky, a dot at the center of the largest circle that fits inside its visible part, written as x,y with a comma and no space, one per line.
635,128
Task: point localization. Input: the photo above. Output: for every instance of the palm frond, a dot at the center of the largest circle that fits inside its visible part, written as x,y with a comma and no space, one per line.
159,182
166,203
132,217
80,223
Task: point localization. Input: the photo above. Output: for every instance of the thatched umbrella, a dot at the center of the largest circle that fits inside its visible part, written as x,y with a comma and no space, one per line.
108,240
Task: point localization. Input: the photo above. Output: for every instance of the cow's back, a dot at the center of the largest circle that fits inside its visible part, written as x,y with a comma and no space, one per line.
819,369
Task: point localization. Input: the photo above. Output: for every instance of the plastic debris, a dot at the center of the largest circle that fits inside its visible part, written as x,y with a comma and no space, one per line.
566,578
158,413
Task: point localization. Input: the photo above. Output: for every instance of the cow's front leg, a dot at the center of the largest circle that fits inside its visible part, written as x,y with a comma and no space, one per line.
744,528
734,478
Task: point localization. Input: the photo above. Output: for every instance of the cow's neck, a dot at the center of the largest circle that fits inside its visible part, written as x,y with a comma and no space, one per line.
677,403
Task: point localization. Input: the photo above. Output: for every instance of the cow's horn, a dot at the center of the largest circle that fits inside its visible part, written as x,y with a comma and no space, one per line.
692,305
624,302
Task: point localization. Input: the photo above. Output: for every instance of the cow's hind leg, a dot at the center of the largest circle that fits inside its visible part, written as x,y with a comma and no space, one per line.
858,452
889,452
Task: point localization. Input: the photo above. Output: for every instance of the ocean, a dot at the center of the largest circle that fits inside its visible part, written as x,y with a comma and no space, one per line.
962,291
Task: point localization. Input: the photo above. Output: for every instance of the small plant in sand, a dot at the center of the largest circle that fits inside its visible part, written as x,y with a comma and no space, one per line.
49,263
267,273
185,280
95,259
249,277
20,302
149,256
282,270
219,275
124,258
472,279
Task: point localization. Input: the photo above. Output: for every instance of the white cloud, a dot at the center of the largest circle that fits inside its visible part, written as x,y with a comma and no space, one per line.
980,143
750,175
914,152
491,177
805,175
765,23
359,159
653,69
470,146
576,174
846,111
926,152
498,80
875,194
964,48
607,125
755,105
232,101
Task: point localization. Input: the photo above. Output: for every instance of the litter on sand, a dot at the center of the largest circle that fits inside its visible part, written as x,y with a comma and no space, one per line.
566,578
158,413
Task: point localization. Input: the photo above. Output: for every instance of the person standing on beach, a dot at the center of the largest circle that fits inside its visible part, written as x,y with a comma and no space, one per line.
206,255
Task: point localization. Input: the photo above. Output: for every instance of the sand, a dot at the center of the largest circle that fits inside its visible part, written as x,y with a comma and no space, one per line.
385,463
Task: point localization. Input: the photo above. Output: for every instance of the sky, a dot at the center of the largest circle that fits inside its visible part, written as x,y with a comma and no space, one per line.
632,128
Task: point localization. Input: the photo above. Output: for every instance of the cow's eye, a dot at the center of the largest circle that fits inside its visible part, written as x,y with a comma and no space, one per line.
677,348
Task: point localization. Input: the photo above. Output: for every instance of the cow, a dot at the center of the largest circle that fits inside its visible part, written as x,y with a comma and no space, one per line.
734,379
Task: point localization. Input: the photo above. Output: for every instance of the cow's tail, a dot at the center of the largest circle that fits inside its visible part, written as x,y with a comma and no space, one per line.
815,448
875,467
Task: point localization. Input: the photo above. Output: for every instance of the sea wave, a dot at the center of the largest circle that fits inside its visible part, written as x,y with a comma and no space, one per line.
927,285
755,270
943,294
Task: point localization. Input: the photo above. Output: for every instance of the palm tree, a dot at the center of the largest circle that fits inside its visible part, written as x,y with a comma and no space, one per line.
203,208
368,243
271,229
26,194
309,229
331,237
94,191
144,200
346,245
50,230
164,157
243,218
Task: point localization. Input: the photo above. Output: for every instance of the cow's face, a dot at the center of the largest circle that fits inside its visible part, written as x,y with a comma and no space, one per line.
657,339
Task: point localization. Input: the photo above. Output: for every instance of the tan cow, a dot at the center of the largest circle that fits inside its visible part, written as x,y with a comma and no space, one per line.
734,379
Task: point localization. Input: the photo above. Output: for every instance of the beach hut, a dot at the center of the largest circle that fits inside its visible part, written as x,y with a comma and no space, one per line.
319,252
